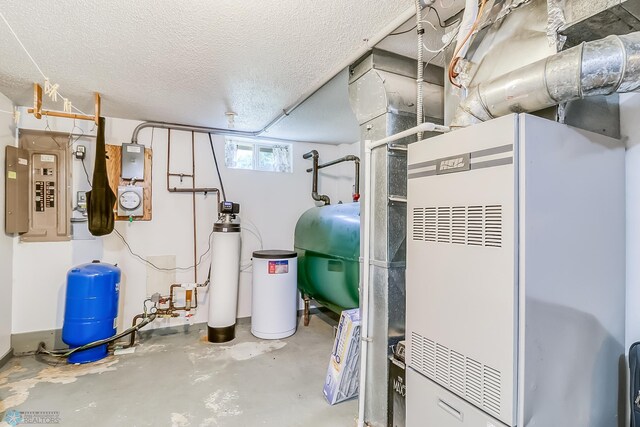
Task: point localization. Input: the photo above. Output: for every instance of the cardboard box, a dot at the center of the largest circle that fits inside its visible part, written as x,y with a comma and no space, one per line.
343,376
397,394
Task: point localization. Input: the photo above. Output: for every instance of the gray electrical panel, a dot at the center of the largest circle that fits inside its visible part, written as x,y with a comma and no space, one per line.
48,188
132,161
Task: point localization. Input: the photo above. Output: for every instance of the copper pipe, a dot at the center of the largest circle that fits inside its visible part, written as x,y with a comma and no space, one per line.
204,190
181,175
193,196
194,295
168,155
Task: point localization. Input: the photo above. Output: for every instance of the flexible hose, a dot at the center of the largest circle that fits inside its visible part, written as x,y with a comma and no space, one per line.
215,160
67,353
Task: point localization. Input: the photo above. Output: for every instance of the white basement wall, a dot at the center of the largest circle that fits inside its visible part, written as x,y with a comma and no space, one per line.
270,205
630,112
7,137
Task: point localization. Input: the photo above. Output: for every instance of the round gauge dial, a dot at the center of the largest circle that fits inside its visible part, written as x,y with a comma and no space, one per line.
130,200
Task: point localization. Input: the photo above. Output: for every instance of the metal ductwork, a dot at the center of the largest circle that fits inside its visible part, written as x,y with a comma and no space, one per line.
382,91
602,67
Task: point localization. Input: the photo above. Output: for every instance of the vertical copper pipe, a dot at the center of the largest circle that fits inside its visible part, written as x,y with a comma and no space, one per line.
193,194
168,154
187,299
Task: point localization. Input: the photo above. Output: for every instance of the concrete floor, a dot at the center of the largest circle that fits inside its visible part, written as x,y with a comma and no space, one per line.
178,379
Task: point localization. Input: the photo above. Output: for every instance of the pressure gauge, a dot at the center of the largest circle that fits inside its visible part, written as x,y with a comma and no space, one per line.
130,201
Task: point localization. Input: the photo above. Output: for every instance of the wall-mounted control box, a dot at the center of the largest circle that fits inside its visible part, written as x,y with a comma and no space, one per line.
130,200
132,162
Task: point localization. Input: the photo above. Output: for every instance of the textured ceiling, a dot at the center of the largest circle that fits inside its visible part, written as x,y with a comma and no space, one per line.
187,62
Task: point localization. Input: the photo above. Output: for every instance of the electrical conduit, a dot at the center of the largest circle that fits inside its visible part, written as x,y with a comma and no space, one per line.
420,78
369,43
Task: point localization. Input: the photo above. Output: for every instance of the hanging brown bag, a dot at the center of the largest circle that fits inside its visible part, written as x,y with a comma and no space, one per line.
101,199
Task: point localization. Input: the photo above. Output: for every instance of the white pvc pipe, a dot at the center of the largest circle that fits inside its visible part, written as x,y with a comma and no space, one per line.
364,301
468,18
425,127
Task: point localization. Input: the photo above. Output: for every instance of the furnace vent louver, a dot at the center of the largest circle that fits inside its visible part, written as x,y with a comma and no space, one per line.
461,225
470,379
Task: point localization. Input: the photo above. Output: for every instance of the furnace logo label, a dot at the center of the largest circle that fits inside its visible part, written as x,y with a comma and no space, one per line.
453,164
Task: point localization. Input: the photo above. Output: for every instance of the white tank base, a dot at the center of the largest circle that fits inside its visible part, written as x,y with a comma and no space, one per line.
272,335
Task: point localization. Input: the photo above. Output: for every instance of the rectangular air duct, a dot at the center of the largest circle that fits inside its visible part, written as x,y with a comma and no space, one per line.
382,91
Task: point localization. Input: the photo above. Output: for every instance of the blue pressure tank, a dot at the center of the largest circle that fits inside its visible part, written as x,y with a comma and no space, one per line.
91,309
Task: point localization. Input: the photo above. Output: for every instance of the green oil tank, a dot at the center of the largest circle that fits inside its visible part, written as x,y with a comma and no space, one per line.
327,240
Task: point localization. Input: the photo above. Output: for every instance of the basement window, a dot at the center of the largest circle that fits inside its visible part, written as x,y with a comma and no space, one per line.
257,155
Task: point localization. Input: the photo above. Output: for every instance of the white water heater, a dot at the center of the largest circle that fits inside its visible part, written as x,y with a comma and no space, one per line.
516,277
225,273
274,291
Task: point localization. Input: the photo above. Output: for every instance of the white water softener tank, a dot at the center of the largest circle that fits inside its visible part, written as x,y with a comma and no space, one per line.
274,302
225,272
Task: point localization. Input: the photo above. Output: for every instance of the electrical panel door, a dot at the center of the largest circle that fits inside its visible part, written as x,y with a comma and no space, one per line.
16,190
49,188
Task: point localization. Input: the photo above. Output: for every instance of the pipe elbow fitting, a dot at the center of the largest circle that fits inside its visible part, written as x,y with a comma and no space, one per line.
310,154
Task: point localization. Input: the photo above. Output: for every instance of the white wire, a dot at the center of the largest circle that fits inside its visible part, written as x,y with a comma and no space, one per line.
431,24
432,51
6,112
21,45
439,51
256,229
257,236
33,60
244,266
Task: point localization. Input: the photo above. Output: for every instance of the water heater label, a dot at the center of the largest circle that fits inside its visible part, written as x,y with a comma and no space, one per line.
278,267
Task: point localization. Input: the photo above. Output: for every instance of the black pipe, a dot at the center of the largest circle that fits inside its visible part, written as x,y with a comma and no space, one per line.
69,352
215,160
314,189
349,158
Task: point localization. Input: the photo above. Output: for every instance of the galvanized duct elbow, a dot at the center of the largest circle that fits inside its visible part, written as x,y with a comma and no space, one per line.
600,67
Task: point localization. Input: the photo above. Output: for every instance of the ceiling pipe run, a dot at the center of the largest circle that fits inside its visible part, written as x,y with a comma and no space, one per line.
369,43
600,67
